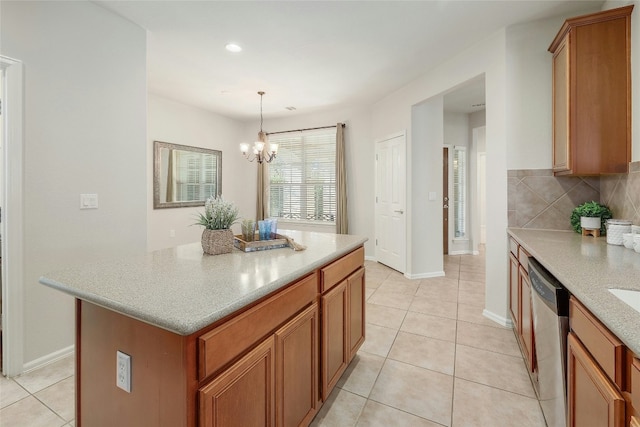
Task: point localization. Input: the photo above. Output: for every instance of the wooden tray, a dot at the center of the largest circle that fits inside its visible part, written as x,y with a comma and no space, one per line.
259,245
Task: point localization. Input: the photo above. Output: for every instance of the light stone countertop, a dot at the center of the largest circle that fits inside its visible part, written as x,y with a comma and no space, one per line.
588,267
183,290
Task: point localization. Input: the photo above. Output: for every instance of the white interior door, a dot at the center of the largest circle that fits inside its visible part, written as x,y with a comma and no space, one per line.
391,224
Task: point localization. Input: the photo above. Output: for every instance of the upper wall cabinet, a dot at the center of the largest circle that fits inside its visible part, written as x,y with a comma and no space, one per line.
592,94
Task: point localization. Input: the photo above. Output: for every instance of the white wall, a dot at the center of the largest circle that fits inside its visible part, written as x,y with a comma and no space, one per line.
393,113
177,123
529,93
424,216
360,164
635,72
85,128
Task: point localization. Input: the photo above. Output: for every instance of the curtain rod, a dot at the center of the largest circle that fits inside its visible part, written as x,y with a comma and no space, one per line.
301,130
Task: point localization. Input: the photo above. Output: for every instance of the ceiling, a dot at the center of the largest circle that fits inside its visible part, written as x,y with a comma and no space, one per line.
311,55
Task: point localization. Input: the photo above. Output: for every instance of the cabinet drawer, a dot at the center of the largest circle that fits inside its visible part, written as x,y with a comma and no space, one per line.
513,246
220,346
635,385
523,258
605,348
335,272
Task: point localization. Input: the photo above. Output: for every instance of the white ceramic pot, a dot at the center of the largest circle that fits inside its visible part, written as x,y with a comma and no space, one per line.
590,223
627,240
636,243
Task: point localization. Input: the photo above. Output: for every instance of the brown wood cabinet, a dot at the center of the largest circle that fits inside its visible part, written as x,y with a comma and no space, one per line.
592,94
526,317
297,369
335,355
602,373
343,316
593,400
356,312
520,303
514,292
244,394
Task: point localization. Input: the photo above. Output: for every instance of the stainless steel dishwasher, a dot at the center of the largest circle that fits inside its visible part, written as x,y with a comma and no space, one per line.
550,301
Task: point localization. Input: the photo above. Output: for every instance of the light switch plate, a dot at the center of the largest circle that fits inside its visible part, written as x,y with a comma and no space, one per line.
88,201
432,196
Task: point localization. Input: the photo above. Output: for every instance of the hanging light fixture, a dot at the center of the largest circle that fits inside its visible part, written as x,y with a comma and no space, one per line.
260,151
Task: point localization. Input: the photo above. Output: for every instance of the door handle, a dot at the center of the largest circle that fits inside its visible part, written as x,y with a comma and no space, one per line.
445,207
400,211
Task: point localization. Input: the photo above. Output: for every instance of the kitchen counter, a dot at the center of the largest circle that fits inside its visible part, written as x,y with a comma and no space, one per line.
183,290
588,267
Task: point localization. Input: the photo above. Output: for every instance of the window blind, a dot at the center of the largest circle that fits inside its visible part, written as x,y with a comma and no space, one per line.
196,176
459,190
302,178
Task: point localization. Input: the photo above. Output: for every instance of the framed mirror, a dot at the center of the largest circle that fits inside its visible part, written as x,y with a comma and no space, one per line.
184,176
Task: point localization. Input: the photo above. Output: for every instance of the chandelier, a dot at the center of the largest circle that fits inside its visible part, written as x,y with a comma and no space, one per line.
260,151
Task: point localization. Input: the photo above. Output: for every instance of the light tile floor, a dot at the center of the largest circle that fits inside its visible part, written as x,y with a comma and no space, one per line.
430,359
44,397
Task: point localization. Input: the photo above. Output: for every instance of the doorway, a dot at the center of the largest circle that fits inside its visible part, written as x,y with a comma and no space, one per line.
463,114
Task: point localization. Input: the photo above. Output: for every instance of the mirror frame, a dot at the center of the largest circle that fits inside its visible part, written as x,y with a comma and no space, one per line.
157,146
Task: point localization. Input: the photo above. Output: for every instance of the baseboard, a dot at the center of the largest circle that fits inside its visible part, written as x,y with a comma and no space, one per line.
503,321
370,258
49,358
462,252
424,275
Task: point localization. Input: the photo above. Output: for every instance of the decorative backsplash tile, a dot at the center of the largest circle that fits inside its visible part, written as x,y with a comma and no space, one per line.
622,193
537,199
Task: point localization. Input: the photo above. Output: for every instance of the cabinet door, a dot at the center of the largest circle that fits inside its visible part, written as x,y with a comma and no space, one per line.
355,296
244,394
561,118
526,319
335,350
592,399
297,369
514,293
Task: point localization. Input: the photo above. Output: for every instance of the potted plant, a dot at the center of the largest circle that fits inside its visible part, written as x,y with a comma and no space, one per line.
590,216
219,215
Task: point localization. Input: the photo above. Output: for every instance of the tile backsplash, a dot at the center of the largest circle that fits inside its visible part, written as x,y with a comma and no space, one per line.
537,199
622,193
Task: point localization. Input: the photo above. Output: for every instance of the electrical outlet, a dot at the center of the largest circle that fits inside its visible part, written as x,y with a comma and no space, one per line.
123,371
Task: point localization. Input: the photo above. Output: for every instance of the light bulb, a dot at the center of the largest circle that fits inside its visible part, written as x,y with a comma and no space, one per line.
244,148
274,148
259,146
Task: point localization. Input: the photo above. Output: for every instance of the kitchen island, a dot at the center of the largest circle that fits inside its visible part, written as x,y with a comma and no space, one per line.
255,338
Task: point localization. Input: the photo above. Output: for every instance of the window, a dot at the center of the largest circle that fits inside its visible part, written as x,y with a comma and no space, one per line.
459,191
196,175
302,178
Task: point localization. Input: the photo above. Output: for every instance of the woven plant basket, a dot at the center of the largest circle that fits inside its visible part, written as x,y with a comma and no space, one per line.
216,242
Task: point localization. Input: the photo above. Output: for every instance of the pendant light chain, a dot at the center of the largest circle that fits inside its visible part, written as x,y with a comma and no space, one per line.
261,111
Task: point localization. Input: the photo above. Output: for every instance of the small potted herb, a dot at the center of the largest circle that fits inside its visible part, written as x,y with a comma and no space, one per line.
590,216
219,215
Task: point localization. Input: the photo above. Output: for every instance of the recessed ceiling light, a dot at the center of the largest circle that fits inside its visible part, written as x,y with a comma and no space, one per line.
232,47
